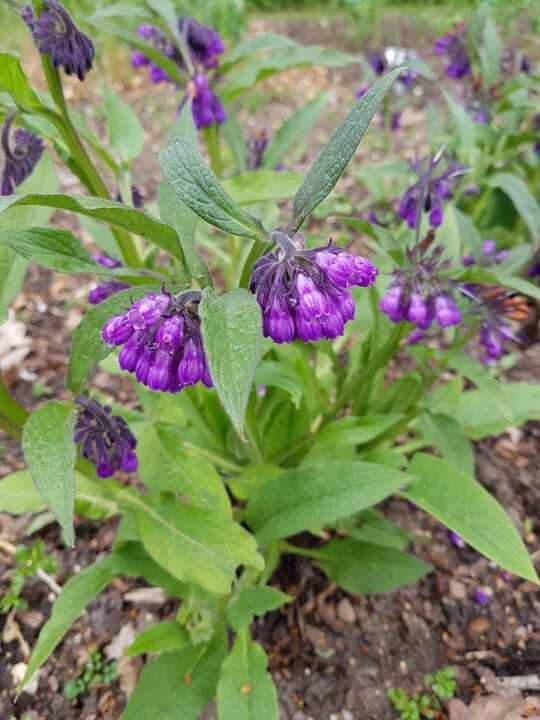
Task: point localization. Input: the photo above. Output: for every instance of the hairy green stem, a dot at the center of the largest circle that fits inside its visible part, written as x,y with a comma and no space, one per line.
89,175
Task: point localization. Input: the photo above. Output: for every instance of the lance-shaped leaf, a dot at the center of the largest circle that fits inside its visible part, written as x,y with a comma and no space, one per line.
124,128
50,453
56,249
14,82
524,201
232,334
87,347
108,211
245,689
188,175
335,156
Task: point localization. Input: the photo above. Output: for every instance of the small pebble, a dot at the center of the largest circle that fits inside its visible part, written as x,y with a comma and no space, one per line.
345,611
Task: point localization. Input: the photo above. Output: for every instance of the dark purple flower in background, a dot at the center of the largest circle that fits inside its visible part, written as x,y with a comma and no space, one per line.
105,440
534,270
428,193
456,540
454,46
20,156
420,293
495,308
377,62
162,342
204,44
109,287
488,257
304,293
380,61
56,35
481,116
206,107
137,197
255,149
483,596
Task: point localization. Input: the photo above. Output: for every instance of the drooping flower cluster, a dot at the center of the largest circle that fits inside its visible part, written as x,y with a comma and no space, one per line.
428,193
105,439
204,45
110,287
20,157
496,308
56,35
304,294
454,46
420,293
162,342
489,256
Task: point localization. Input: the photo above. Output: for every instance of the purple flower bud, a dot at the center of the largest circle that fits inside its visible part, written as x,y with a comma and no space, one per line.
392,303
308,331
130,353
117,330
489,247
191,366
105,290
20,158
139,60
170,333
446,312
204,43
346,270
483,596
147,32
106,261
161,375
278,323
56,35
158,75
376,62
502,255
345,306
146,312
144,362
312,302
436,213
456,539
415,337
417,311
467,260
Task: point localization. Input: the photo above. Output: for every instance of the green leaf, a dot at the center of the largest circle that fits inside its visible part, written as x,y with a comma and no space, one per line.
445,434
346,434
251,478
490,52
259,68
124,129
176,213
258,43
480,415
245,689
335,156
14,82
50,454
479,375
262,186
178,684
285,377
194,545
464,506
375,529
87,347
310,497
56,249
232,334
187,174
294,131
360,567
525,203
108,211
234,137
166,636
254,601
467,128
18,494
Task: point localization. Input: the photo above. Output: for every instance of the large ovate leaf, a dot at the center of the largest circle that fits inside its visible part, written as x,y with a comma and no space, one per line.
166,636
335,156
56,249
87,347
361,567
109,211
481,415
18,494
458,501
232,333
188,175
252,601
310,497
192,544
245,689
447,435
525,203
50,454
479,375
178,684
293,132
124,129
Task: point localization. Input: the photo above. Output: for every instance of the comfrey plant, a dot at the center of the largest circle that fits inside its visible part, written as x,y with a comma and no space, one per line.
266,422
